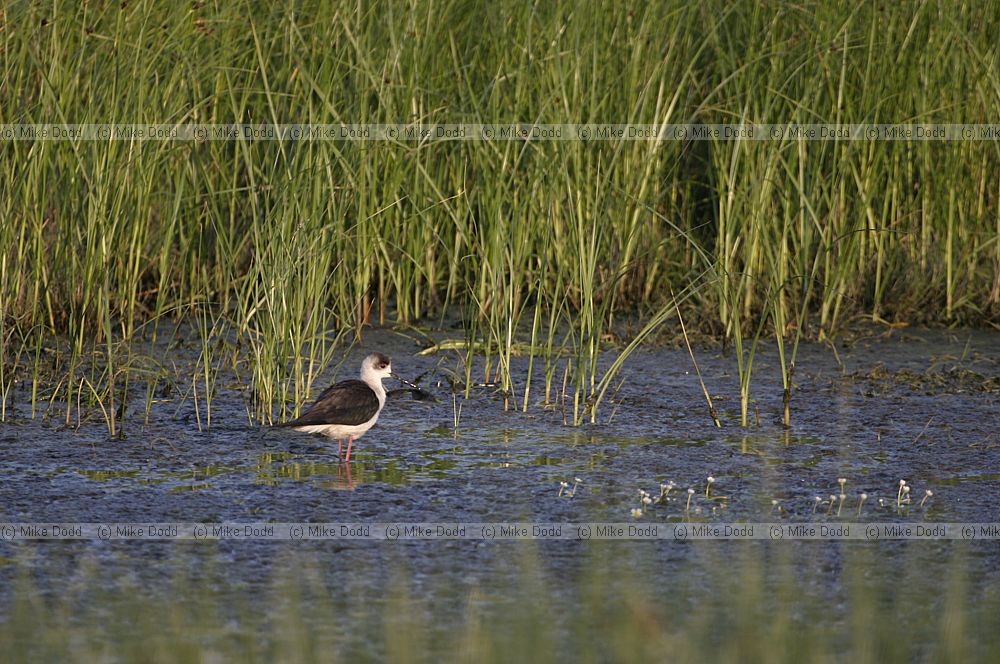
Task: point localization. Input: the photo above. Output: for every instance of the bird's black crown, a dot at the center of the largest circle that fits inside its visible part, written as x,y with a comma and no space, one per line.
381,360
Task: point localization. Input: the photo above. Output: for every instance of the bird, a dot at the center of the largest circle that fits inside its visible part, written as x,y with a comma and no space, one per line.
349,408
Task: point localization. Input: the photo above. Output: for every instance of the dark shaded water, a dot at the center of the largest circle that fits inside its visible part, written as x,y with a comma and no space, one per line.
920,406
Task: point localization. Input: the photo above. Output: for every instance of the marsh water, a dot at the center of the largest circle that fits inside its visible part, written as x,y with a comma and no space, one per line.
916,405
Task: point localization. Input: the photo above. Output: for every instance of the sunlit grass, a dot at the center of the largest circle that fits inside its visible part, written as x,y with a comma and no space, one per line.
294,243
772,603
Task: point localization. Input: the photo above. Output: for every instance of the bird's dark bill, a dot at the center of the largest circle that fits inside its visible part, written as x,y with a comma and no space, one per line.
404,381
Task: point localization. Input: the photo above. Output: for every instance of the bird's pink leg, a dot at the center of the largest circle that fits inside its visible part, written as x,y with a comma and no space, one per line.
350,441
340,449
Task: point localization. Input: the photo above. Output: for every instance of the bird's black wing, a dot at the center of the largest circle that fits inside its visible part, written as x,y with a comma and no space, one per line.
347,402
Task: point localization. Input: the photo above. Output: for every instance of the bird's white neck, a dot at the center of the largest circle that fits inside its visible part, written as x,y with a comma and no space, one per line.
374,381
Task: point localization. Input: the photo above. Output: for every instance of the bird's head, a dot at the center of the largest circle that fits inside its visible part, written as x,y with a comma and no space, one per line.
376,366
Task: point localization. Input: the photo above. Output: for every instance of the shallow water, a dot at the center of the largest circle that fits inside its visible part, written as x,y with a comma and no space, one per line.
915,405
922,407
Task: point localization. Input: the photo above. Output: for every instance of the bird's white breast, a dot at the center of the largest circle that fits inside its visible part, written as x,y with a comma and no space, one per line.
341,430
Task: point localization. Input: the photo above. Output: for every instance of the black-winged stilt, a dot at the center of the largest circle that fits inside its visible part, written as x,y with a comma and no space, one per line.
349,408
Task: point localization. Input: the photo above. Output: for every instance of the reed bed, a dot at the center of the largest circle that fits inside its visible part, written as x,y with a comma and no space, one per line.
283,246
772,604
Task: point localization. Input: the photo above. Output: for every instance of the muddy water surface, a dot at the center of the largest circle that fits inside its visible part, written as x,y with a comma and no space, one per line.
919,406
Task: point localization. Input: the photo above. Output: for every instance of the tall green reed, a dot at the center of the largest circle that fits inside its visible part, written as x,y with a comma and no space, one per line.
296,241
